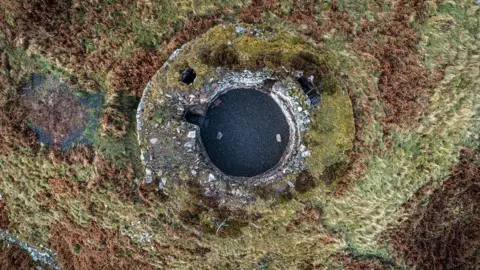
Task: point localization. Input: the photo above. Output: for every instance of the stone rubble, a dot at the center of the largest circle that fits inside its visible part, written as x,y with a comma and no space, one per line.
192,134
189,145
148,176
162,183
47,256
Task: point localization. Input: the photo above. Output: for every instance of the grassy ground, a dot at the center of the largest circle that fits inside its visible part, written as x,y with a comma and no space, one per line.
413,78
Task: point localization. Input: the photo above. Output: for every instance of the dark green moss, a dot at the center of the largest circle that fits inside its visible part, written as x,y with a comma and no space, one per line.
273,57
192,214
233,228
305,182
334,171
269,192
307,62
220,55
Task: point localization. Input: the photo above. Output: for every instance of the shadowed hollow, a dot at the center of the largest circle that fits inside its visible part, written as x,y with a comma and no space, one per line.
245,132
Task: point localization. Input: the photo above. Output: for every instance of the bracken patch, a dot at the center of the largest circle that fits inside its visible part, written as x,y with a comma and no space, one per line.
13,132
404,83
14,257
252,13
132,75
444,234
4,221
94,248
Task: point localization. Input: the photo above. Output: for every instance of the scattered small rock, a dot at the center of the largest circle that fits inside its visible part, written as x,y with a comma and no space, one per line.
189,145
153,140
279,138
302,148
148,176
219,135
180,111
257,33
211,178
240,30
203,98
306,154
193,172
192,134
162,183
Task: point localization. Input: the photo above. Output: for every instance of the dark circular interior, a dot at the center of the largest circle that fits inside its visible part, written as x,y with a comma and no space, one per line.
245,132
188,75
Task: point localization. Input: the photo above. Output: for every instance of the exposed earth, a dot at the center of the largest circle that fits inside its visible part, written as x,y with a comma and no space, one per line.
99,168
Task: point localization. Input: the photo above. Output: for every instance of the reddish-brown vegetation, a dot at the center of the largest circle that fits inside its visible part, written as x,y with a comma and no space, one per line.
404,83
14,257
445,233
132,75
4,221
350,263
307,220
94,248
252,13
13,132
64,29
304,14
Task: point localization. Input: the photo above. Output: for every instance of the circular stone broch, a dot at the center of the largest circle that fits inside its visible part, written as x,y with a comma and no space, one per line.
241,109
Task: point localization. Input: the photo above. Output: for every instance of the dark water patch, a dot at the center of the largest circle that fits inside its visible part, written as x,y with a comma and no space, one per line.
247,132
62,116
